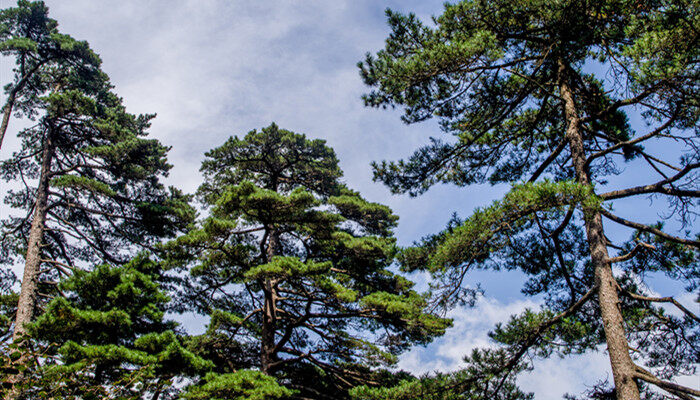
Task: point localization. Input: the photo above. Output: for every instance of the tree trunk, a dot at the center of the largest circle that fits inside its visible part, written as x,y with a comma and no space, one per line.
26,305
9,105
267,345
267,353
28,293
622,366
6,112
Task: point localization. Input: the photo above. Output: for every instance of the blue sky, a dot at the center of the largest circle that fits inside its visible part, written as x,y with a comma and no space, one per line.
212,69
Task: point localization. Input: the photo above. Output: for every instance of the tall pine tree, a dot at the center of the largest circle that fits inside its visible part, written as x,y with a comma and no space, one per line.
98,195
86,179
540,94
293,268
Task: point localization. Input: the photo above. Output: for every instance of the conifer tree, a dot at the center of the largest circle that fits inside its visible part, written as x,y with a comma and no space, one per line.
107,338
32,38
293,268
89,179
540,94
98,194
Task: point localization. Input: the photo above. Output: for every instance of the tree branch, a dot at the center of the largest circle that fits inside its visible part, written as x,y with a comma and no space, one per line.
569,213
632,253
656,187
667,299
622,103
678,390
535,334
647,228
631,142
548,160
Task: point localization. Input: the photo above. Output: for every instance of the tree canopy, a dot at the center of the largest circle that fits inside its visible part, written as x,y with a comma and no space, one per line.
39,49
293,268
86,180
89,179
540,95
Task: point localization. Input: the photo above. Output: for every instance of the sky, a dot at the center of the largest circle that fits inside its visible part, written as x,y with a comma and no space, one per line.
213,68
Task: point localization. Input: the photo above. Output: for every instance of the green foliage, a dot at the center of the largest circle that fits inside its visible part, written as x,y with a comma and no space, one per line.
107,338
239,385
8,303
486,70
42,55
106,201
289,249
272,158
489,229
493,73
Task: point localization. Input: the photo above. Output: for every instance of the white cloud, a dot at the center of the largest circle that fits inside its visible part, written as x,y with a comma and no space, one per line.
549,380
469,332
554,377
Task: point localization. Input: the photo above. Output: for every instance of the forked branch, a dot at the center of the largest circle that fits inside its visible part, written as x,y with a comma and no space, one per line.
632,142
639,247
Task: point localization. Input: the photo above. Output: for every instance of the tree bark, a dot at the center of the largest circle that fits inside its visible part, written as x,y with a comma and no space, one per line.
268,355
613,324
9,105
6,112
28,294
26,306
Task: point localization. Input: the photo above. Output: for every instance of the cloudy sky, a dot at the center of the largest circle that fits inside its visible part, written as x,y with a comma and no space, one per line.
211,69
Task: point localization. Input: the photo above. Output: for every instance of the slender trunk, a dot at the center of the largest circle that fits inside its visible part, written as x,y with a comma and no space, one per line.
28,293
12,96
6,112
608,300
26,305
267,345
9,105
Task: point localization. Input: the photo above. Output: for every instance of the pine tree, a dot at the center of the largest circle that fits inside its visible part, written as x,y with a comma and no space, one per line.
33,39
89,182
107,338
98,194
539,94
293,268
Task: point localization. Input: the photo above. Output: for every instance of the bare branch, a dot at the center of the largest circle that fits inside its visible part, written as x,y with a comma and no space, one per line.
647,228
662,300
674,388
625,102
548,160
632,253
535,334
631,142
657,187
559,229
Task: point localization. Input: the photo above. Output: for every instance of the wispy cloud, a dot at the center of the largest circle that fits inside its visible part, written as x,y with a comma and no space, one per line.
550,379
